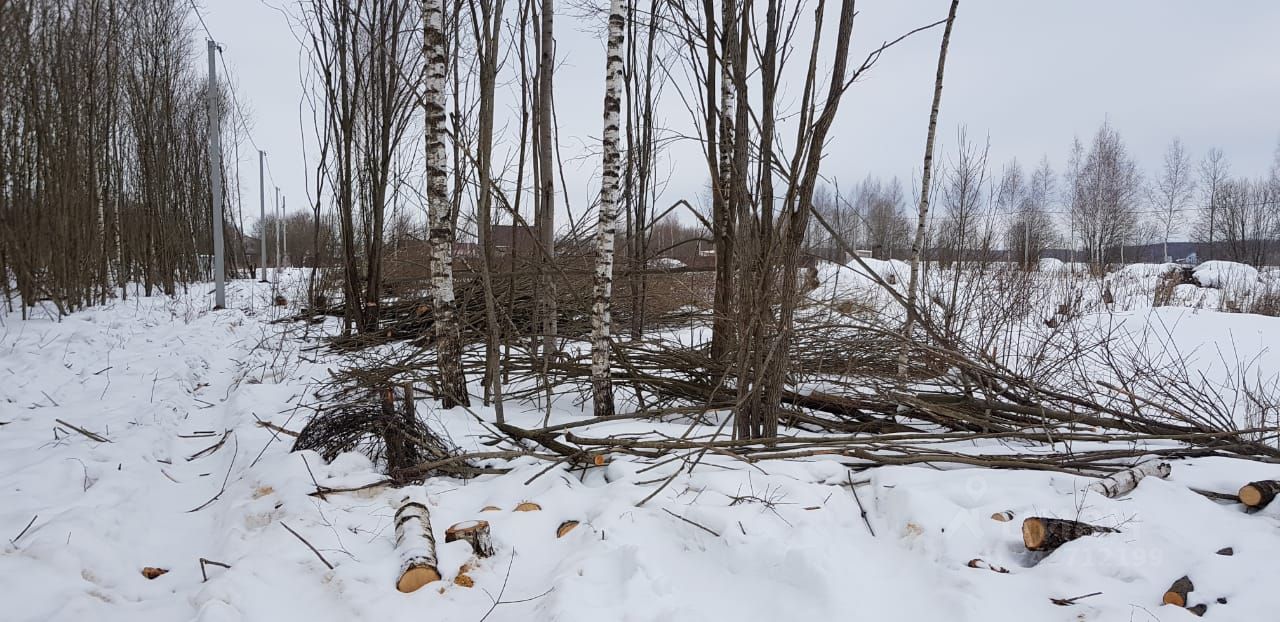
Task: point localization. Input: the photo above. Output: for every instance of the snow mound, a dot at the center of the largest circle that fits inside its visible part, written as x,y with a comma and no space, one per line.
1225,274
1051,264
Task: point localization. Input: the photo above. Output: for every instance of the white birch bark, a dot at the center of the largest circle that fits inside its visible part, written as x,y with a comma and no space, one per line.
448,341
917,244
1125,481
415,545
610,179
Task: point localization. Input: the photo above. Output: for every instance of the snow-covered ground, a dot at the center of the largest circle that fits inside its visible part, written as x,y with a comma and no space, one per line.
165,381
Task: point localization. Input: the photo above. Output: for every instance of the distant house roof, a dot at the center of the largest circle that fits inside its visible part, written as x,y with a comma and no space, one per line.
517,236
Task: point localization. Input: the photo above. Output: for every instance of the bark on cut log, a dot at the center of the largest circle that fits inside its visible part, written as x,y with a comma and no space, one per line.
1199,609
1047,534
1228,551
416,546
1177,593
1258,494
474,532
528,506
1125,481
982,564
565,528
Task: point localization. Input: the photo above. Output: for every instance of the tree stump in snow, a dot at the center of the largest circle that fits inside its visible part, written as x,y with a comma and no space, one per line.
1177,593
474,532
1258,494
1047,534
565,528
152,572
416,546
1125,481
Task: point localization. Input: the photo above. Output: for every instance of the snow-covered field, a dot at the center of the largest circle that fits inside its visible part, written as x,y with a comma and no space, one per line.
187,473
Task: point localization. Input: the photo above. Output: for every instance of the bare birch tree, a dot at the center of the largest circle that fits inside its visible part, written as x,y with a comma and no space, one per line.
1214,172
453,384
922,215
1172,191
610,178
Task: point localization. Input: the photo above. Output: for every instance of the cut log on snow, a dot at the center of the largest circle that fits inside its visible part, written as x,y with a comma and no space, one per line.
565,528
1258,494
491,508
1047,534
1003,517
528,506
1125,481
1177,593
416,546
475,532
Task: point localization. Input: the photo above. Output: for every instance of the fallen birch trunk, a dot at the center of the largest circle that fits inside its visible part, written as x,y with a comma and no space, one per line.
1125,481
416,546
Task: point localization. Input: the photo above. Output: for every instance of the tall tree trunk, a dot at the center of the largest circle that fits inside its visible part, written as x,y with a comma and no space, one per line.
610,177
722,204
453,384
546,217
917,244
488,30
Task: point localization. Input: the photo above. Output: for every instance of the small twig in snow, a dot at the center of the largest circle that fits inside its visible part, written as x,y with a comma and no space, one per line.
498,601
866,520
209,562
304,541
91,435
212,448
15,539
702,527
1063,602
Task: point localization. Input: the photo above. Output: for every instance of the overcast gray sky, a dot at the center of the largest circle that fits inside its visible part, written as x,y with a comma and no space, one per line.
1031,75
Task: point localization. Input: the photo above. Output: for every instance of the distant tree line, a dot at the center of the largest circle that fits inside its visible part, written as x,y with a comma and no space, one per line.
1100,210
104,179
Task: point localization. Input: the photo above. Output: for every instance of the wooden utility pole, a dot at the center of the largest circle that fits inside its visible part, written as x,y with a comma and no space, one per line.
215,176
262,215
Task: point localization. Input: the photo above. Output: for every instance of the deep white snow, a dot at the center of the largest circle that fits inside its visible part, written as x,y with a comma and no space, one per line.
164,380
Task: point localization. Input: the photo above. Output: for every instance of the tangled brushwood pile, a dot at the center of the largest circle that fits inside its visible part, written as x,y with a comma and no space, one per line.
382,424
669,297
1066,398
